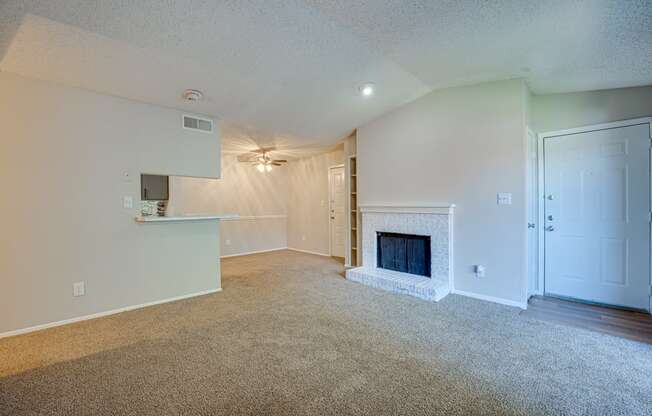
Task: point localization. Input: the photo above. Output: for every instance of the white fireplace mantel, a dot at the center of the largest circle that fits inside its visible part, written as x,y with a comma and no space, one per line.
445,209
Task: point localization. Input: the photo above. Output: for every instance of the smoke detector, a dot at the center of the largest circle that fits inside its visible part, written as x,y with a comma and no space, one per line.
192,95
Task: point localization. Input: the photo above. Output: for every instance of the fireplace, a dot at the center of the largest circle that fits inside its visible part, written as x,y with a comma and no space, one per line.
407,253
407,250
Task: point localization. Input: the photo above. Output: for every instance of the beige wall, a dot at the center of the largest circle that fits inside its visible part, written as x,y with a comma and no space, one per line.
63,155
563,111
462,146
244,191
298,191
308,216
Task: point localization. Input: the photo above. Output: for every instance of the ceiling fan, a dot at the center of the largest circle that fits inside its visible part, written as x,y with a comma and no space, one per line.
261,159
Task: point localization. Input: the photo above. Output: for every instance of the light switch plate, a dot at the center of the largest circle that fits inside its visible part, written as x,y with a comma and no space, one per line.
78,289
127,202
504,198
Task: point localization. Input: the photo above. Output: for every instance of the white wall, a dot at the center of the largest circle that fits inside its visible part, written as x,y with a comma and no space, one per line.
63,153
462,146
241,190
563,111
308,215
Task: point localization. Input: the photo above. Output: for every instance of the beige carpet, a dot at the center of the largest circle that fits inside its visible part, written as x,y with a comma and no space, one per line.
290,336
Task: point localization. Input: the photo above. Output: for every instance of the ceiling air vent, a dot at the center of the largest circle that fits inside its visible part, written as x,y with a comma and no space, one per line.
196,123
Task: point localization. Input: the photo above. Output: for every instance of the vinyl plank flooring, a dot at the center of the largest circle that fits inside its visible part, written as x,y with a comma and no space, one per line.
636,326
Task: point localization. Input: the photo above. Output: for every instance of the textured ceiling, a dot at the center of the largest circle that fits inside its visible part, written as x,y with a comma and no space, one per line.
291,68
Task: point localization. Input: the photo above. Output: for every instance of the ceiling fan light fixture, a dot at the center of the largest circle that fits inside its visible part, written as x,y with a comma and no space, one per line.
262,160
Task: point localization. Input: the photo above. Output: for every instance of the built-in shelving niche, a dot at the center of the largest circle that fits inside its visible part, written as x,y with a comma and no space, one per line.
353,221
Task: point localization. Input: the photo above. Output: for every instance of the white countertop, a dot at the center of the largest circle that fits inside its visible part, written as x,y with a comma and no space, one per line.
156,218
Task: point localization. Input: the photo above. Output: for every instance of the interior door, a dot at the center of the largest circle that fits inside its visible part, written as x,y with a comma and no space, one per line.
597,216
337,215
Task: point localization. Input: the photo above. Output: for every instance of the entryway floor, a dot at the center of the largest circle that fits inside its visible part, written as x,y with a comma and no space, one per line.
636,326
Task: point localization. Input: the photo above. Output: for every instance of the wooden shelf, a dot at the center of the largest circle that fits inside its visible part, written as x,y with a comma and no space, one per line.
353,216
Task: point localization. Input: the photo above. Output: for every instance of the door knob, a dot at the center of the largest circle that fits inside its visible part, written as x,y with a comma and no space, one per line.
550,197
531,225
550,228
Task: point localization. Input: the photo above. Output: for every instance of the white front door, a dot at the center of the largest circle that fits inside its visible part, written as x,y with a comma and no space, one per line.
337,215
597,216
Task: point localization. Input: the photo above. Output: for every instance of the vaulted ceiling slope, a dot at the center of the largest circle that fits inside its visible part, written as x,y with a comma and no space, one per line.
294,66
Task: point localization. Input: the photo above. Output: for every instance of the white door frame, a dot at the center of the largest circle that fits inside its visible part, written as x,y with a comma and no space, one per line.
541,184
330,221
531,194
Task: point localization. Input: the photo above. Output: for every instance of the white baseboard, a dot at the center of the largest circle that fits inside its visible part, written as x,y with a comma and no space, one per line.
105,313
522,305
253,252
309,252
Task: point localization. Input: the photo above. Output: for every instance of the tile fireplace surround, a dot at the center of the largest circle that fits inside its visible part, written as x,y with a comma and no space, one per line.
433,221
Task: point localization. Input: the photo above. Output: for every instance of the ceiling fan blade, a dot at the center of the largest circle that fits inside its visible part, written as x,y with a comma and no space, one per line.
246,157
280,160
257,154
276,164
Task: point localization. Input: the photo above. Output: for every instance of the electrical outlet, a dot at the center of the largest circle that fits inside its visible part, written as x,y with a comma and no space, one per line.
228,242
303,238
78,289
479,270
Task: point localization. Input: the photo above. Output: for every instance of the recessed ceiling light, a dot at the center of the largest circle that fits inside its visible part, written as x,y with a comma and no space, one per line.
192,95
367,89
